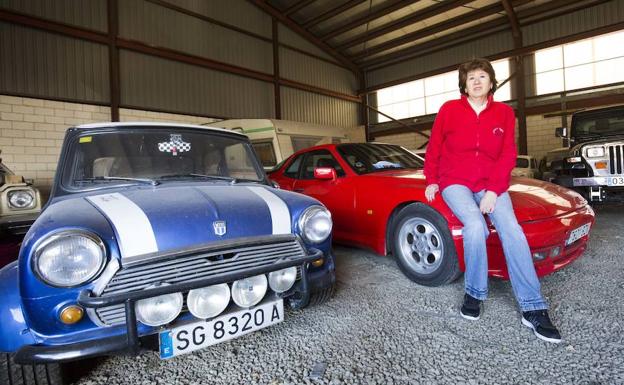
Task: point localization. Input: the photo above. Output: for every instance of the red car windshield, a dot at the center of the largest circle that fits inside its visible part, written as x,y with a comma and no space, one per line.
365,158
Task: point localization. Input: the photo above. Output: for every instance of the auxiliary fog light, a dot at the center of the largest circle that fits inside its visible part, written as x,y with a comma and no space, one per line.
539,255
159,310
71,314
249,291
209,301
282,280
555,252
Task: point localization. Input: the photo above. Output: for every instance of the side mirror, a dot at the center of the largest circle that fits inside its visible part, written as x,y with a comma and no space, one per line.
273,183
561,132
324,173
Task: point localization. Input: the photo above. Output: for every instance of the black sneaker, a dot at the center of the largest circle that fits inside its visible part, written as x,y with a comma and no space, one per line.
471,309
543,328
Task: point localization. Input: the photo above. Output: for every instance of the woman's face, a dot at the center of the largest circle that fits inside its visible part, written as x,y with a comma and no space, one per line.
478,83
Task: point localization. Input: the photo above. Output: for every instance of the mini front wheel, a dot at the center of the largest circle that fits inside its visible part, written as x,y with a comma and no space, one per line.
35,374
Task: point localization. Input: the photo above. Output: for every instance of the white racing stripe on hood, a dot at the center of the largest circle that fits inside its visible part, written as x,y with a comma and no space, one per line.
280,215
134,231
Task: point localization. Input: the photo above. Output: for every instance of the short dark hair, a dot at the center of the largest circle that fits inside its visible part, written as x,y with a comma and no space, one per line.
476,64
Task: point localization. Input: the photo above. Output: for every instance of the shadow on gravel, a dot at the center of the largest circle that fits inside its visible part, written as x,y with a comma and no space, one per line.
77,370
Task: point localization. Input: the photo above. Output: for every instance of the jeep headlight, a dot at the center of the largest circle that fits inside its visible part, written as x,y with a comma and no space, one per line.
315,224
595,152
21,199
69,258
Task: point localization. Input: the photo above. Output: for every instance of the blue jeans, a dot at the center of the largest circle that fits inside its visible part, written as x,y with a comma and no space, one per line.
465,205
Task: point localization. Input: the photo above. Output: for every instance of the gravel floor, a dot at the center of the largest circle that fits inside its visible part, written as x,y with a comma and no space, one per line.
380,328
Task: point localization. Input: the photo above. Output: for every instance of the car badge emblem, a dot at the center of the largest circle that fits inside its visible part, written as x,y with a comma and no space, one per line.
219,228
174,145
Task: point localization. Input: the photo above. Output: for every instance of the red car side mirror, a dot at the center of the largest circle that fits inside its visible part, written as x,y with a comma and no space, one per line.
324,173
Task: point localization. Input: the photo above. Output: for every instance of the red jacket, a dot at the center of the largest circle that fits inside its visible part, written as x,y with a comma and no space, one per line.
478,152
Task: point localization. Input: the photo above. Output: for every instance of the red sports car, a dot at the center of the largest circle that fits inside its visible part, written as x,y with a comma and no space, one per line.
376,194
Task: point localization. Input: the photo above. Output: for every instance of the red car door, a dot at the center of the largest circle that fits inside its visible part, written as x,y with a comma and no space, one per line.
288,174
337,194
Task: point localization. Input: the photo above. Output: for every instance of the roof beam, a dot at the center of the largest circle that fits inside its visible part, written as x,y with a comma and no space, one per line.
493,26
428,31
415,17
436,44
502,55
332,12
297,6
391,7
263,5
513,21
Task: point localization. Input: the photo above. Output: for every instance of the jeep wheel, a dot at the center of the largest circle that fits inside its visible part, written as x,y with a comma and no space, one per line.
36,374
423,246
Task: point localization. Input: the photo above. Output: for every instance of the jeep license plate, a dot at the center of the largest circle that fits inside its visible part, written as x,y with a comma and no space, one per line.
577,234
615,181
190,337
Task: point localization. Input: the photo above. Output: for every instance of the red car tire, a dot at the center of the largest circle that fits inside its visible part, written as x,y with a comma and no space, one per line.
423,247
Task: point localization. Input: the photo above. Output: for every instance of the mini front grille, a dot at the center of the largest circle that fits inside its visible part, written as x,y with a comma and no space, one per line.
193,268
616,159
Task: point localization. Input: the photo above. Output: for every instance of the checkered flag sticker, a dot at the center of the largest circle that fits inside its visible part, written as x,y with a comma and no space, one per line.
174,145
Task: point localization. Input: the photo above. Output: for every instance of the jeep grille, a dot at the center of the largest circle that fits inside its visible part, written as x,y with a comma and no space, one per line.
191,268
616,159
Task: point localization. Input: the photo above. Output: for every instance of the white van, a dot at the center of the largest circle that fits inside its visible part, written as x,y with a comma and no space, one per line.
275,140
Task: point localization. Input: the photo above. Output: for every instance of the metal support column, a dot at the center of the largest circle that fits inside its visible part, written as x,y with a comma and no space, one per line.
113,59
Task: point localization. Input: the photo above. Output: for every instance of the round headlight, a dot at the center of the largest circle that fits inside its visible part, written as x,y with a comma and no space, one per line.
159,310
282,280
69,259
21,199
249,291
209,301
315,224
595,152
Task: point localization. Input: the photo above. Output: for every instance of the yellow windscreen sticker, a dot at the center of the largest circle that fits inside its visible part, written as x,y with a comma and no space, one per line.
85,139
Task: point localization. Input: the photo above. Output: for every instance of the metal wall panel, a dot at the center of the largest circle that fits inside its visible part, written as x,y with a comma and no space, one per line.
305,69
49,65
489,45
239,13
152,83
304,106
287,36
159,26
580,21
91,14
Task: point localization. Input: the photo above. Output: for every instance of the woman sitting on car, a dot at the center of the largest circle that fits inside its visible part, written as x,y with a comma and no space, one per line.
469,159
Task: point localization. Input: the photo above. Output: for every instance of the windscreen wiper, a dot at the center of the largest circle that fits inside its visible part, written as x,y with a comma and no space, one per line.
107,178
194,175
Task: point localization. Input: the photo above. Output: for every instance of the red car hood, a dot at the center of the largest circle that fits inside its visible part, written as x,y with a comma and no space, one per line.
532,199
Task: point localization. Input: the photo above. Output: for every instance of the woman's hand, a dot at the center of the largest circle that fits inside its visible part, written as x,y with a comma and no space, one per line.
488,202
431,191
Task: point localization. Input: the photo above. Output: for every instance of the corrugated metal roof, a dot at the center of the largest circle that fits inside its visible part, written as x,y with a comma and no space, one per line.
378,33
154,83
318,109
87,14
34,62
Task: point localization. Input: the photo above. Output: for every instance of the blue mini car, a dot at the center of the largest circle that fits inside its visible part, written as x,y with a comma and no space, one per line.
157,236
